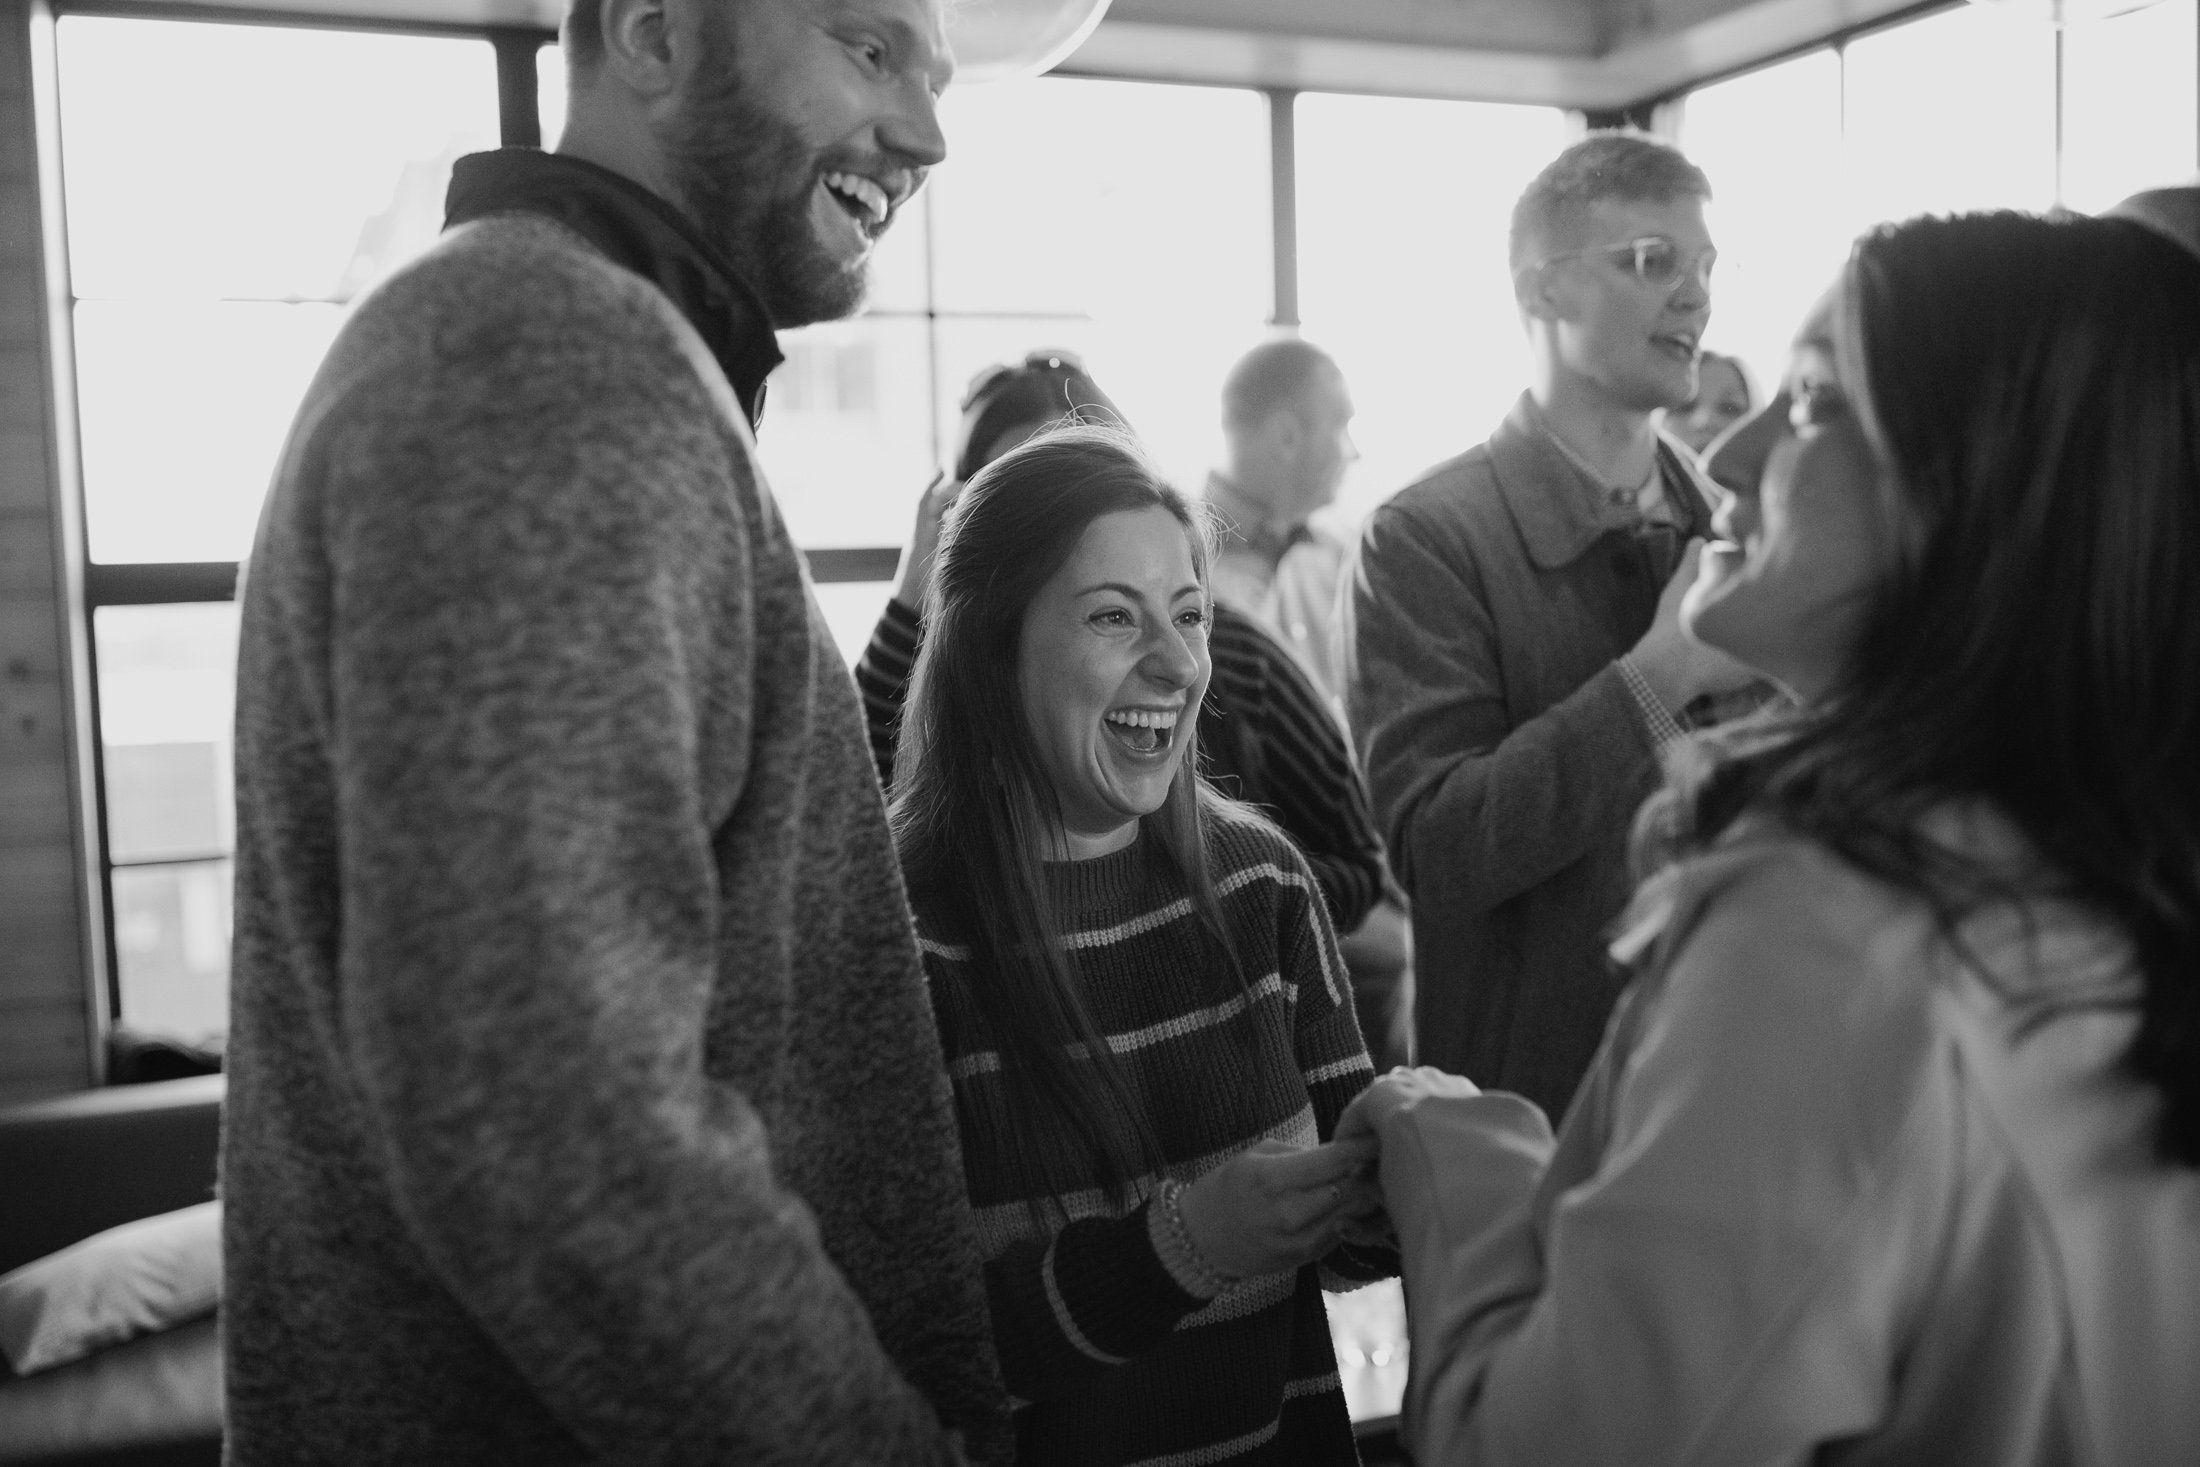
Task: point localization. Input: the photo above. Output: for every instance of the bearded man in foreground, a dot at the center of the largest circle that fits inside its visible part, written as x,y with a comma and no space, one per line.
585,1104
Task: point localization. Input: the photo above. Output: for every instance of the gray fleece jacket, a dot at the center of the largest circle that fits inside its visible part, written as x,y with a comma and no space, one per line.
585,1101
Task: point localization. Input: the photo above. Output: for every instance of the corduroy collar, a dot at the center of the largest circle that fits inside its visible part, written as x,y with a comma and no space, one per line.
1560,510
639,231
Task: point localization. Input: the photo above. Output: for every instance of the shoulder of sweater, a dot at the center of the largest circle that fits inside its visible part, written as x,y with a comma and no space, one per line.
517,283
1240,839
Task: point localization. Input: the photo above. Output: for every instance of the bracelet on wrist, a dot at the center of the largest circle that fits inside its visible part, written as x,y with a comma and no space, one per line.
1173,1243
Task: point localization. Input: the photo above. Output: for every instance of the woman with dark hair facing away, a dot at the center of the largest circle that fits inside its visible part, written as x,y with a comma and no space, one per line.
1268,738
1892,1154
1148,1029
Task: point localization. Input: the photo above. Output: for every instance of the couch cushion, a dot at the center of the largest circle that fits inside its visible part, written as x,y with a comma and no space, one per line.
154,1391
78,1164
137,1279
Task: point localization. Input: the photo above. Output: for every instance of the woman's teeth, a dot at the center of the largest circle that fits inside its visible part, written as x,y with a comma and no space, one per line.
1143,730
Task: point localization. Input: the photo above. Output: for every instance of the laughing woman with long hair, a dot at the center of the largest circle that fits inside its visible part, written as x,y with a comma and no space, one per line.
1148,1029
1892,1154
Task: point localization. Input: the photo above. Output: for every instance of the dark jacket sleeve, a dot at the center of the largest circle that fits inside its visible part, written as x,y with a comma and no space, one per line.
1457,786
882,676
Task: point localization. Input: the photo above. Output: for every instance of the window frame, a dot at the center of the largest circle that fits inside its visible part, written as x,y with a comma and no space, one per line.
516,48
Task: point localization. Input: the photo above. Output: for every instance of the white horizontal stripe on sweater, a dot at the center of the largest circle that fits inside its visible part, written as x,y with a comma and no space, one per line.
1145,922
1340,1069
988,1061
1004,1224
1236,1446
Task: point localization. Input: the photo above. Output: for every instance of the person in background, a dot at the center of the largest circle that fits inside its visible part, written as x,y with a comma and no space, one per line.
584,1102
1268,738
1893,1151
1514,656
1138,990
1722,399
1287,429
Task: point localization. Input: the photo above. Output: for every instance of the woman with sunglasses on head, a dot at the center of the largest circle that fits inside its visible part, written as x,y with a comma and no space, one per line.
1269,740
1147,1026
1892,1154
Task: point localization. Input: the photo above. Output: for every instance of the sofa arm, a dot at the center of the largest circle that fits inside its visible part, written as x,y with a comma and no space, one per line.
85,1162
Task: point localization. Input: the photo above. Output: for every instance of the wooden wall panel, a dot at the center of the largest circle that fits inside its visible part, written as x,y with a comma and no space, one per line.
46,1028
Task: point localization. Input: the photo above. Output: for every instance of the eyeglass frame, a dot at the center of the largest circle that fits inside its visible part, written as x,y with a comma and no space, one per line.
1698,266
1049,359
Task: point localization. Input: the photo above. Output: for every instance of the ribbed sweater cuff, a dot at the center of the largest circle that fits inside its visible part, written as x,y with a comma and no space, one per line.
1119,1295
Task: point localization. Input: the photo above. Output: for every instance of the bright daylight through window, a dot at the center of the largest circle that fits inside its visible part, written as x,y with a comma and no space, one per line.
212,256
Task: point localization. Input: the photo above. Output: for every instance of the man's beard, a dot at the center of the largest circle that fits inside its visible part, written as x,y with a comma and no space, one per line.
747,181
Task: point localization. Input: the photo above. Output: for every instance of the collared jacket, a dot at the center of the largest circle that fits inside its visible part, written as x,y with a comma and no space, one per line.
1837,1189
1504,754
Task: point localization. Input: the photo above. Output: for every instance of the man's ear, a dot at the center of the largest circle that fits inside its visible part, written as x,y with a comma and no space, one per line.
638,44
1539,296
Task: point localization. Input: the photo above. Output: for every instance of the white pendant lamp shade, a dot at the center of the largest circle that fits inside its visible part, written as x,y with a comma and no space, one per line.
995,40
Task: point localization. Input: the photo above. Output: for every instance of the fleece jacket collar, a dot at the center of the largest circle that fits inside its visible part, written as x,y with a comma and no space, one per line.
640,231
1560,510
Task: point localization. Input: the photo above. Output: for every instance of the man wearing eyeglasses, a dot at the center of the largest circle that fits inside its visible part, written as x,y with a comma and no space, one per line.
1514,658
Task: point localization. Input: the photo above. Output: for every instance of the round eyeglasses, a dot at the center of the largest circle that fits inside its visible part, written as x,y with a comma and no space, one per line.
1655,260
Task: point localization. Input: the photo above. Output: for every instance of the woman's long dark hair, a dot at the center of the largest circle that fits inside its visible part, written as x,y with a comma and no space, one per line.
2032,387
975,816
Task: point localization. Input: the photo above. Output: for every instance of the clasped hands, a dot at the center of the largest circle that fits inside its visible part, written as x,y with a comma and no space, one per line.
1276,1206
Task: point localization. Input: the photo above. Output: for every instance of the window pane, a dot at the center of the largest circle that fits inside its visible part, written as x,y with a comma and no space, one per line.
2131,104
207,161
1952,112
847,438
1168,383
1117,200
167,700
1770,142
172,927
1404,208
852,610
550,92
184,407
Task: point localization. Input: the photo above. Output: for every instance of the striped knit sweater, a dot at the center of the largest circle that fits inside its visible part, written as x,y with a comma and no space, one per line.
1111,1361
1265,737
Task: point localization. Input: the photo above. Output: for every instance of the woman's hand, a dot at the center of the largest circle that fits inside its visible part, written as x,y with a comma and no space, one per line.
1401,1089
924,539
1277,1206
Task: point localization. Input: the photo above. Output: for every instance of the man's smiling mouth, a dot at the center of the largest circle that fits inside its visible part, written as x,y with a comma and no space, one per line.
864,200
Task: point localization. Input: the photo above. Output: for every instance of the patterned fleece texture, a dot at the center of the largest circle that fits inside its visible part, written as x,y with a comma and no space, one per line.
585,1103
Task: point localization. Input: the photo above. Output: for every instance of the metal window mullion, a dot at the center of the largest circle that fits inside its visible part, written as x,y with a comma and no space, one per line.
1283,209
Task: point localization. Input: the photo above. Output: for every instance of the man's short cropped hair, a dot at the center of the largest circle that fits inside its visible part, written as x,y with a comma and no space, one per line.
1627,166
583,36
1273,377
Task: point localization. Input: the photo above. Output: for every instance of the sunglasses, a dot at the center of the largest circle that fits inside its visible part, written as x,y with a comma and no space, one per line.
1655,260
1052,360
